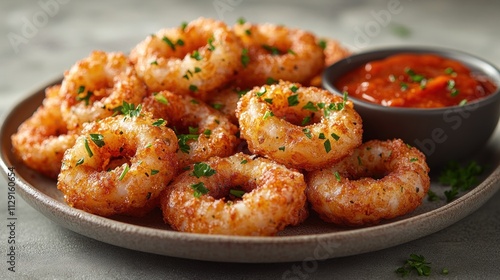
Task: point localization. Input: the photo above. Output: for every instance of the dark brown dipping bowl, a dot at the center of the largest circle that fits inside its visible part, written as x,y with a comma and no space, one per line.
442,134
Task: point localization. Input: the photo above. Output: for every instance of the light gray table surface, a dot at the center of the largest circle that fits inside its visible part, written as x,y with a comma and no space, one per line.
41,39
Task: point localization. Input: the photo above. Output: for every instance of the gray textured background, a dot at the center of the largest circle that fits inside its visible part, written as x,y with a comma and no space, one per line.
470,249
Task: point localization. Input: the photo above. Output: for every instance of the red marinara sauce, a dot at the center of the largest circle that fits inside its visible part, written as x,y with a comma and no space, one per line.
416,81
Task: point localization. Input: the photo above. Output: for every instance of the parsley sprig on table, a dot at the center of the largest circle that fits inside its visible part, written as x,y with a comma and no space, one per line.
419,264
415,263
460,178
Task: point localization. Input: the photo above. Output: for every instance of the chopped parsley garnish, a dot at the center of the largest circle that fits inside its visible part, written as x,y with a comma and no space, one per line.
199,189
460,178
306,120
333,106
335,136
154,62
267,115
449,71
183,139
245,59
322,44
237,193
432,196
401,30
270,81
159,122
183,25
241,92
129,109
190,73
207,133
196,55
282,148
293,100
217,106
261,91
211,46
327,145
193,130
451,87
202,169
98,139
154,171
307,132
86,97
169,42
272,50
81,89
193,88
79,162
403,86
415,263
241,20
310,106
463,102
269,100
337,176
124,172
294,88
413,76
161,98
87,147
450,84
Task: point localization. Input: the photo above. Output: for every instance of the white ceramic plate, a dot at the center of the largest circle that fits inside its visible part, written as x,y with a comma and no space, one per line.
313,239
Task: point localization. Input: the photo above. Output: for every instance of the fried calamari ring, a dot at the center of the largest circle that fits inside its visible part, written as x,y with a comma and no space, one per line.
193,59
202,131
119,165
226,101
301,127
379,180
41,140
276,52
272,197
334,51
95,86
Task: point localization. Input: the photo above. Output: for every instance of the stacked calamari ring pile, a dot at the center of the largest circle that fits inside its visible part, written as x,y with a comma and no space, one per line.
224,129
